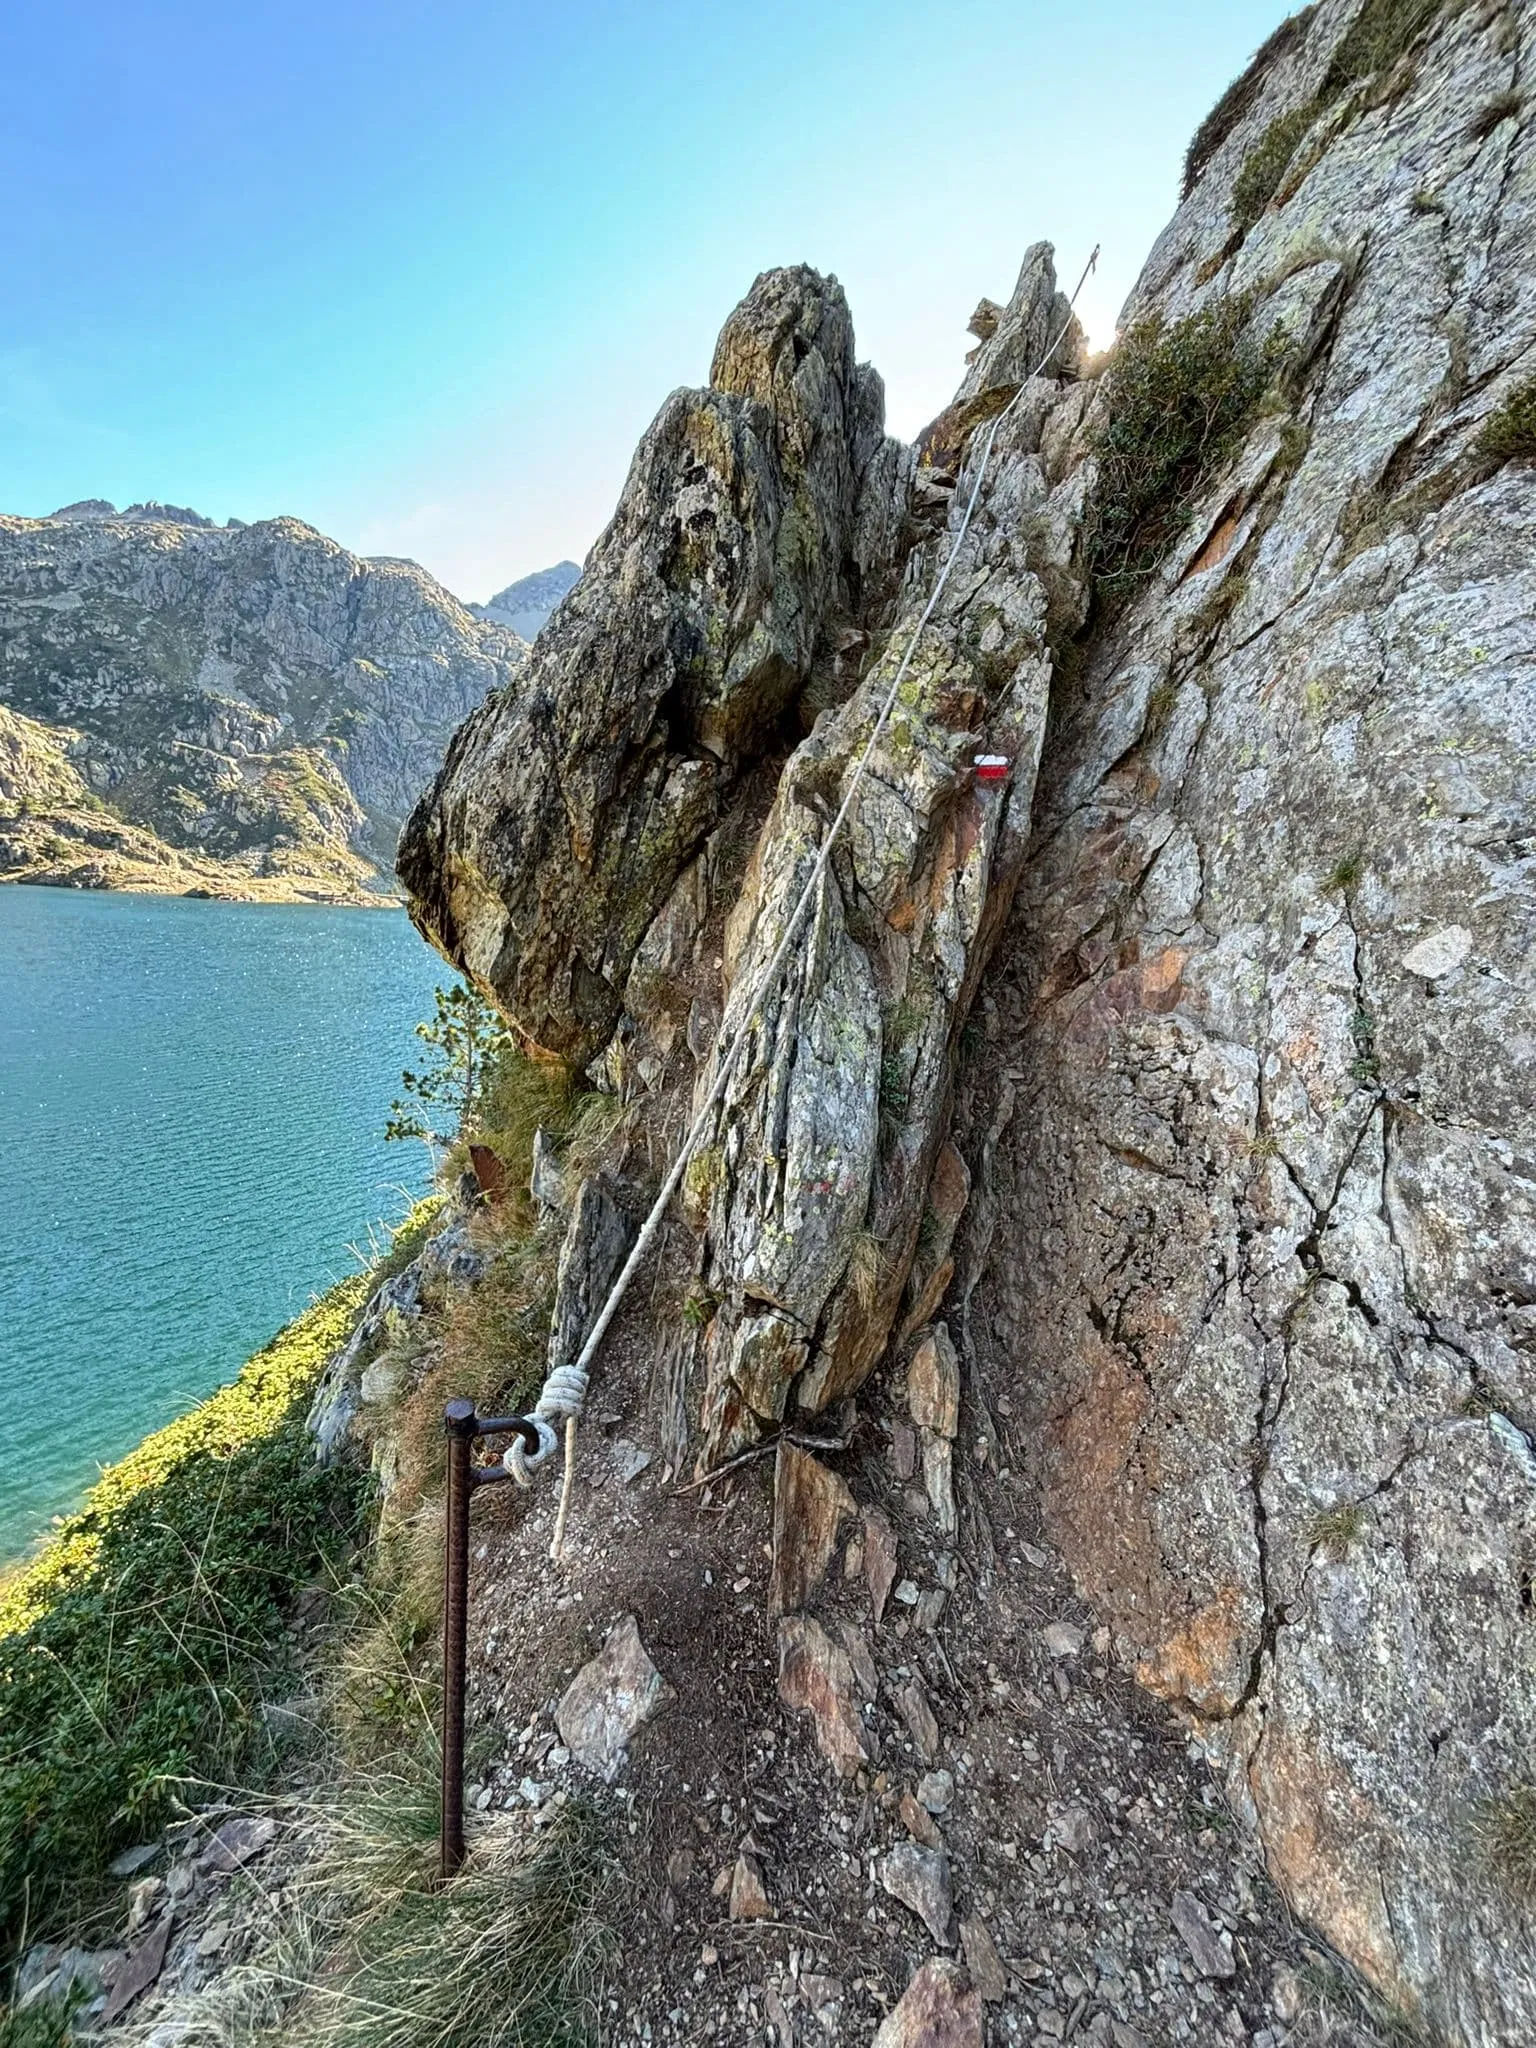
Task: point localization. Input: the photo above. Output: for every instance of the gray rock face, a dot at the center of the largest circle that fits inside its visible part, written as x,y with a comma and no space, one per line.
237,689
1268,998
563,816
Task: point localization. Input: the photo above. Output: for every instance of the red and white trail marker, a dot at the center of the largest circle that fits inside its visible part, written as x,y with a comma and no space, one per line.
992,767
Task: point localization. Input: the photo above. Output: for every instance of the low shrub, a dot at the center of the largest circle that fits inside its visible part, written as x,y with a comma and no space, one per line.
1179,397
131,1650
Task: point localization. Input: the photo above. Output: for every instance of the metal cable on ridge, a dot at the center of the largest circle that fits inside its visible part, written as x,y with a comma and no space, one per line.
565,1389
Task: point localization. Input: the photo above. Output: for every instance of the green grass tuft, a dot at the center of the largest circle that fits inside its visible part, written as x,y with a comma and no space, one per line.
1338,1528
1380,35
1509,435
1179,398
1268,161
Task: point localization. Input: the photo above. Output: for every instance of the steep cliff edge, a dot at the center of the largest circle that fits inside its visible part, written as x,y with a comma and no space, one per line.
245,710
1226,1189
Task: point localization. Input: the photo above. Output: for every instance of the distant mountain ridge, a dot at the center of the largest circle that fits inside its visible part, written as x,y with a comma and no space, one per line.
525,605
240,709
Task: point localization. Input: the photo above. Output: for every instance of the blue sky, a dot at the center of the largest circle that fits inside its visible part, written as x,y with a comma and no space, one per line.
421,273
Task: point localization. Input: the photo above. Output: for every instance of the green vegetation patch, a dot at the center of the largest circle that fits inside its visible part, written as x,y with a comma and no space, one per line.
132,1649
1240,95
1510,433
1179,399
1380,34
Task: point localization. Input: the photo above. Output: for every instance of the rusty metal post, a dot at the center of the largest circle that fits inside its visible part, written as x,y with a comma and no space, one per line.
462,1428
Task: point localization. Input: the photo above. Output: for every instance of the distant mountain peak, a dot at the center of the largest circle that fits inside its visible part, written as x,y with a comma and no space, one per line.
526,604
149,512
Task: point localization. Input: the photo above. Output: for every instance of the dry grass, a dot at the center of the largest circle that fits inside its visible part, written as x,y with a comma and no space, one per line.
1504,1830
367,1949
867,1270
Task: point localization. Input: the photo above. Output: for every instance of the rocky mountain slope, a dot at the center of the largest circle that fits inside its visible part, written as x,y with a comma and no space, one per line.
1179,1088
525,605
243,710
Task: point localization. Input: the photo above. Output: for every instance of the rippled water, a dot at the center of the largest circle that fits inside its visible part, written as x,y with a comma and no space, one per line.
192,1097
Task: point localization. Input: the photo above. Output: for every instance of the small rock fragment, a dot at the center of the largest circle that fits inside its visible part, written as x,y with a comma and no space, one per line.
1061,1639
940,2008
1075,1829
629,1461
918,1823
938,1478
903,1450
861,1658
132,1861
139,1969
933,1384
912,1705
1439,954
609,1700
749,1896
983,1960
816,1676
1285,1995
879,1560
919,1879
1212,1957
237,1842
936,1789
810,1506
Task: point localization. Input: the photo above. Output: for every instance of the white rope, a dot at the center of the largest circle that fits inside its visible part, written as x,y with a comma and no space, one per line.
565,1390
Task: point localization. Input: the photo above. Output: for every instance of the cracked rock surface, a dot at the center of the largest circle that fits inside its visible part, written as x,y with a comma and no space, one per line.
1266,1004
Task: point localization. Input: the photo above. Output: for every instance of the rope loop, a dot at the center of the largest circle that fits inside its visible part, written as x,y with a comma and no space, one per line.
522,1463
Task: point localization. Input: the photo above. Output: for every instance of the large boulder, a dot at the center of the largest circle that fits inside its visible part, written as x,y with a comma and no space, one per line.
568,807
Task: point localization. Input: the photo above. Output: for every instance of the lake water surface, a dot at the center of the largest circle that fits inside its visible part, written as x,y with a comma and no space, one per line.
192,1101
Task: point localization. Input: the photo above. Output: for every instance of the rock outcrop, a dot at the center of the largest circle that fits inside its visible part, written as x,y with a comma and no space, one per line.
1242,1170
250,708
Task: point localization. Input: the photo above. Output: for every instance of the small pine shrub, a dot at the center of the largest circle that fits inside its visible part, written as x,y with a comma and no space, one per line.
1509,435
1179,399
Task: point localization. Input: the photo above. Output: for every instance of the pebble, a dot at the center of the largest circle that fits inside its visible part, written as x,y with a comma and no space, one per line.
936,1789
1061,1639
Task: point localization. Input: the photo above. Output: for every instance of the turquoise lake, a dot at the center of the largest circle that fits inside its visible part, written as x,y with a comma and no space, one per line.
192,1103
